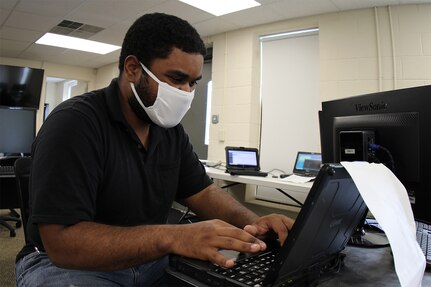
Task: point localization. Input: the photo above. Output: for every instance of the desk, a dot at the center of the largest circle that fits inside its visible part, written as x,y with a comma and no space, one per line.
298,191
362,267
369,267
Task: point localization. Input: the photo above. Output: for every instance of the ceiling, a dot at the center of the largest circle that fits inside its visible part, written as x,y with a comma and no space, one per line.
22,22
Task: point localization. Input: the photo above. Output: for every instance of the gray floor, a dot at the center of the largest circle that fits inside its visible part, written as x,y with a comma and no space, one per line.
9,247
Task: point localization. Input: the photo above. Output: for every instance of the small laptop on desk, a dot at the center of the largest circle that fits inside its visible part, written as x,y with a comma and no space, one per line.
307,163
311,252
243,161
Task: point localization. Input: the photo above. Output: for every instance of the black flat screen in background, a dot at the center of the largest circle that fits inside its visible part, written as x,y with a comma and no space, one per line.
20,86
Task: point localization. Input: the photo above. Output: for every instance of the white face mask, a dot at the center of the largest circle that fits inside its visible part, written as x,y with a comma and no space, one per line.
170,105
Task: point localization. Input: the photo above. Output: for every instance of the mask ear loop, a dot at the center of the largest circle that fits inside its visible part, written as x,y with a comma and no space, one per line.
136,96
150,74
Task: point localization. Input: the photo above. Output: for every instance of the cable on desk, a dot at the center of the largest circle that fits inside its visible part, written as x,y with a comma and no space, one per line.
214,165
276,169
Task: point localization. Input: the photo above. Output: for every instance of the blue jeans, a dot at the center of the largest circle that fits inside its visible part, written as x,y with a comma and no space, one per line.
36,269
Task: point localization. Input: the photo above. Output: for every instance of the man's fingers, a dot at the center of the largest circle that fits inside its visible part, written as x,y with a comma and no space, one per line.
230,243
278,224
221,260
251,229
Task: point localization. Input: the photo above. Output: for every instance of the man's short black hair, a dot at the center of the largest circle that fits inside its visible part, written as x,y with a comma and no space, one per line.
155,35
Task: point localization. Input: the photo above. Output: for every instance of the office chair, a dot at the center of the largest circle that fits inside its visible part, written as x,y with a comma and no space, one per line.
4,222
22,169
13,215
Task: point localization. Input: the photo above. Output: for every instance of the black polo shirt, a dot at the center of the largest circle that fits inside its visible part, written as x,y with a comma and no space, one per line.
89,165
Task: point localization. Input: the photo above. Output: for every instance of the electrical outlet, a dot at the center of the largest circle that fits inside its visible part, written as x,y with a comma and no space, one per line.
214,119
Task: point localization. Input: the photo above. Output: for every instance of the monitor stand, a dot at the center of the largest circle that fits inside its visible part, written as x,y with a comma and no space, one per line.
367,237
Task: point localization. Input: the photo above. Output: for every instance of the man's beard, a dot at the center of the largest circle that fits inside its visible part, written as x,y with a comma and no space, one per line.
143,90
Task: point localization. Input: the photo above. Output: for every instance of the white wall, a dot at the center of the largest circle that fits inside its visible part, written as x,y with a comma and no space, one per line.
54,92
52,95
361,51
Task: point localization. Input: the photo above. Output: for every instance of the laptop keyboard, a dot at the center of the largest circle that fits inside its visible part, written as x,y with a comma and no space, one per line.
423,236
6,170
251,270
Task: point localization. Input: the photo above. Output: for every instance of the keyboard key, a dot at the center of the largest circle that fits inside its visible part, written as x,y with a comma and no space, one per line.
251,270
6,170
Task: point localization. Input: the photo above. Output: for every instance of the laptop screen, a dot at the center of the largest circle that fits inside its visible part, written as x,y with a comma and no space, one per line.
307,163
239,157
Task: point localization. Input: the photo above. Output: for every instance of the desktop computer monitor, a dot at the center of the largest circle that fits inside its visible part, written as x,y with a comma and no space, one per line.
17,131
393,128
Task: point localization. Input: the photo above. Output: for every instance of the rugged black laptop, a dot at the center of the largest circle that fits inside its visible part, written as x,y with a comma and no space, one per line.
311,252
307,163
243,161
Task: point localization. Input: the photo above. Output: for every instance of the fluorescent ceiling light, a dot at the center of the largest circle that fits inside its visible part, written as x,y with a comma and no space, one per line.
222,7
74,43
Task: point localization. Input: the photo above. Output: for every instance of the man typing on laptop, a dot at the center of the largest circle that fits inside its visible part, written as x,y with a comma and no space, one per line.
107,166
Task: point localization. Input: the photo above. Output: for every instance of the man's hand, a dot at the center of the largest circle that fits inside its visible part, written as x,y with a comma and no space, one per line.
277,223
206,238
203,240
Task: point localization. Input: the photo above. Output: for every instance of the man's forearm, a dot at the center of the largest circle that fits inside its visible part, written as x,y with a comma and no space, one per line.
93,246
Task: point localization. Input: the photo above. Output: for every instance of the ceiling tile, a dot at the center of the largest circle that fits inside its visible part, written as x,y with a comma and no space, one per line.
23,35
12,48
182,10
8,4
4,13
113,35
31,21
51,8
254,16
214,26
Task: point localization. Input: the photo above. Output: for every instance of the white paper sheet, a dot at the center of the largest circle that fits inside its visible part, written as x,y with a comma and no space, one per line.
298,179
388,201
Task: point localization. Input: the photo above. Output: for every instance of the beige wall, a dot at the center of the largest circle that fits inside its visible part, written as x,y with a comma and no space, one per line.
361,51
106,74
